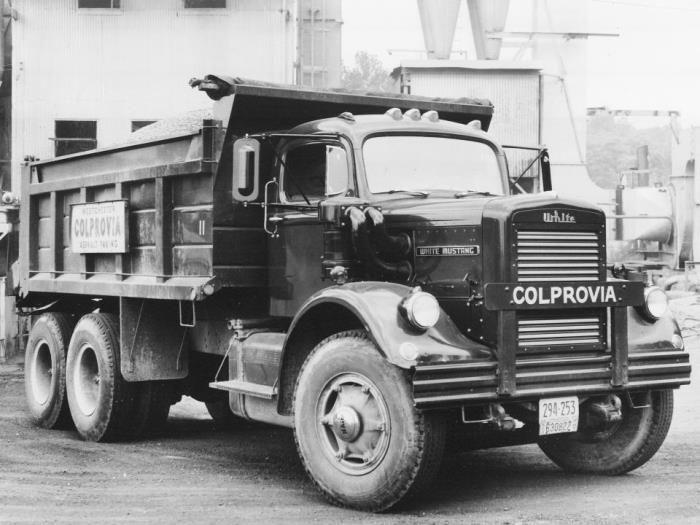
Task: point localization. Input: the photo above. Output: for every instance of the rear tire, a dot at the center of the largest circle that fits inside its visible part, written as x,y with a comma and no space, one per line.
625,446
100,400
45,370
357,432
220,412
151,408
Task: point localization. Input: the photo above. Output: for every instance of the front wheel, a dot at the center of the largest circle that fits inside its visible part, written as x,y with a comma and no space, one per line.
623,447
357,432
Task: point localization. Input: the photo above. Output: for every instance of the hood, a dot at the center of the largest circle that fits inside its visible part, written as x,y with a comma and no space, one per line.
471,209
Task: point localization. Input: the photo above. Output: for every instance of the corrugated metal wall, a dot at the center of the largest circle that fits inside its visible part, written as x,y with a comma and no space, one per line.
515,94
133,63
320,43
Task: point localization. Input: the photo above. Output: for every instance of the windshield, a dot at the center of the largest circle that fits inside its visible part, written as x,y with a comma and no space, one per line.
411,163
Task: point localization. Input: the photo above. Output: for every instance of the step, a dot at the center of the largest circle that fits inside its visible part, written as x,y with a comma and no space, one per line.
243,387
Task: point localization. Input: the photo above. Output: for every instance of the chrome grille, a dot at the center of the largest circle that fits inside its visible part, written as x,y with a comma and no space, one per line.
561,332
557,256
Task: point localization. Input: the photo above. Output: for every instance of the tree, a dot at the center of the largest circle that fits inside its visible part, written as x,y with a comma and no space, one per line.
612,148
368,74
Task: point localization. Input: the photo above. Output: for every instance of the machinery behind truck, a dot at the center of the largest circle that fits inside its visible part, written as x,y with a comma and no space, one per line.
353,267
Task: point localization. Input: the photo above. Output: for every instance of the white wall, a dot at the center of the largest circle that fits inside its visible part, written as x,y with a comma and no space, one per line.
133,63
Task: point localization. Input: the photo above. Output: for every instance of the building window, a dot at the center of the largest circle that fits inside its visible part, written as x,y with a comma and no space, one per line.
138,124
205,4
74,136
99,4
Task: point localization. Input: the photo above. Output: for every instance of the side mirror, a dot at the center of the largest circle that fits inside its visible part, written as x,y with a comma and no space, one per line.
546,171
246,170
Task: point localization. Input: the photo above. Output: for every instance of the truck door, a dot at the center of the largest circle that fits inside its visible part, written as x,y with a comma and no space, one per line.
309,172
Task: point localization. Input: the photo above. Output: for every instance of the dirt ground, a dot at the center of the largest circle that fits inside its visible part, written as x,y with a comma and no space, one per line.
198,474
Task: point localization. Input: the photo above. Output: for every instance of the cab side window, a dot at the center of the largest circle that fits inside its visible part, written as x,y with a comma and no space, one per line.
315,171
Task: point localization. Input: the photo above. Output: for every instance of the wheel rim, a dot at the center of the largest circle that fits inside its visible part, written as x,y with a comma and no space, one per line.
353,424
42,373
87,380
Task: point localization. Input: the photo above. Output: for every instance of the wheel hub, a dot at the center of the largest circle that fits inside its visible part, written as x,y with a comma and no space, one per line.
347,424
354,424
42,373
87,380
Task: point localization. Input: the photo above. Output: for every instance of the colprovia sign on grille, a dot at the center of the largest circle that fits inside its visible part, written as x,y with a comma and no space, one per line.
516,296
99,227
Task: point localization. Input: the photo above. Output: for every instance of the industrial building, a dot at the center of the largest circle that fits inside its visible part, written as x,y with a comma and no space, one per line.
86,73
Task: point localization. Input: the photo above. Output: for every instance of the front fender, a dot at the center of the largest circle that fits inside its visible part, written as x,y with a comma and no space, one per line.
376,306
646,336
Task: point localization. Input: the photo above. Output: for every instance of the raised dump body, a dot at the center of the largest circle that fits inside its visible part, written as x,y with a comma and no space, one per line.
171,229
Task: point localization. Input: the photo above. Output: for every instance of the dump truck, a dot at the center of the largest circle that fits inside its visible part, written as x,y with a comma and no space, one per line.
361,268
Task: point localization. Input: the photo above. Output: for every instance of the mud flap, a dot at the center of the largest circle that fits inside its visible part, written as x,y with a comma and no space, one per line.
154,346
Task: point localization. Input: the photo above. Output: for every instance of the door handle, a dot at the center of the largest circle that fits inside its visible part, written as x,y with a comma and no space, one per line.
266,218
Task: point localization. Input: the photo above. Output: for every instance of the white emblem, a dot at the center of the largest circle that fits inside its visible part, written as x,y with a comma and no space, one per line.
556,216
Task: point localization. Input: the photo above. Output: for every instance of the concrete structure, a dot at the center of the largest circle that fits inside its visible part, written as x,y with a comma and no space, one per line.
685,181
110,69
319,63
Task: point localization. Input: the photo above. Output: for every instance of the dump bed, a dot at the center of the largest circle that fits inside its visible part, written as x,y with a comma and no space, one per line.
156,219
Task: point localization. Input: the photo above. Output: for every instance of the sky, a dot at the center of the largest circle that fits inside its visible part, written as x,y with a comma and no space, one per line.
654,63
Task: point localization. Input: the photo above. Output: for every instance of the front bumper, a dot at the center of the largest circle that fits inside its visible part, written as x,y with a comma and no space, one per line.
470,383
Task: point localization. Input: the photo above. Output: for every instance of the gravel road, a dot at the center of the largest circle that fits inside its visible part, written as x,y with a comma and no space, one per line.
195,473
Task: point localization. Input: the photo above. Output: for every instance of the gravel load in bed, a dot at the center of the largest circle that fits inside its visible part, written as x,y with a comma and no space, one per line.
190,122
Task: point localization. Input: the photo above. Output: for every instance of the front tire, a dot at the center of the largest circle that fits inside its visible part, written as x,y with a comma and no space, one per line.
625,446
45,370
100,400
357,432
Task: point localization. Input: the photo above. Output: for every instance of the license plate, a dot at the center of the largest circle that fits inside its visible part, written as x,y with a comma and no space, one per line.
558,415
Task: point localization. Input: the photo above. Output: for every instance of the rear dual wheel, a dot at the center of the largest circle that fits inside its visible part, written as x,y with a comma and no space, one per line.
45,370
104,406
100,400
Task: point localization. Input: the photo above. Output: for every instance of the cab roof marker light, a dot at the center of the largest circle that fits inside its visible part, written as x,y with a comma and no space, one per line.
475,124
413,114
394,113
346,115
431,116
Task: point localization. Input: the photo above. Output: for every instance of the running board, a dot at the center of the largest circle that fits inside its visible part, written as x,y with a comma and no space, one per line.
249,389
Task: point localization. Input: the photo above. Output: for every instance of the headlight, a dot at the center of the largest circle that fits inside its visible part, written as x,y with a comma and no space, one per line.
677,342
421,309
655,303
